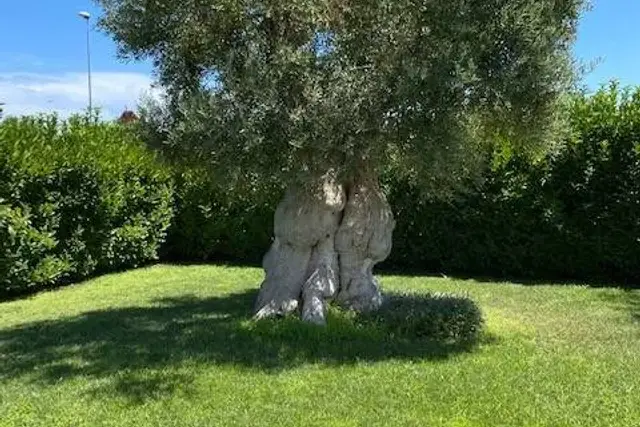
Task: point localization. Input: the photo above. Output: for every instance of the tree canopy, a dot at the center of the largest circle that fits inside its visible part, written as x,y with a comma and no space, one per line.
301,86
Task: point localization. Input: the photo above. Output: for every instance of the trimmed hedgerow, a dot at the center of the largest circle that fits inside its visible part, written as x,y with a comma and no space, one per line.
77,197
572,214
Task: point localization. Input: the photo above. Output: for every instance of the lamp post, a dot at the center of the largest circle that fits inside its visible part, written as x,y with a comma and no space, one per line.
87,16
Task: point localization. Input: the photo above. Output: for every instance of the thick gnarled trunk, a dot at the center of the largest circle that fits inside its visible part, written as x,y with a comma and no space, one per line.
327,241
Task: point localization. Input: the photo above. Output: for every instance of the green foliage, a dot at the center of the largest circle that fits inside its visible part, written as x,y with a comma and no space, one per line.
78,197
27,257
290,88
438,317
212,223
573,214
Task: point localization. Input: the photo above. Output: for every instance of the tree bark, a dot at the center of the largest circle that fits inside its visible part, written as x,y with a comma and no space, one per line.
327,240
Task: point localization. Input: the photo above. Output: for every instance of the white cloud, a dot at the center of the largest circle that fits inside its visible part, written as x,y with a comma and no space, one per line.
67,93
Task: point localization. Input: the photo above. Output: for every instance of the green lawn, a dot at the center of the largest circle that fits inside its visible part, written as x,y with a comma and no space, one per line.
173,346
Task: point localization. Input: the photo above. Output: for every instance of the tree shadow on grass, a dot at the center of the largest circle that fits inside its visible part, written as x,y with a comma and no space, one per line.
627,300
135,344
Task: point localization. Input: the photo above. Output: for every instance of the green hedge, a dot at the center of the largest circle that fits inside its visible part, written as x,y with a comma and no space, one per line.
81,197
213,223
574,214
77,198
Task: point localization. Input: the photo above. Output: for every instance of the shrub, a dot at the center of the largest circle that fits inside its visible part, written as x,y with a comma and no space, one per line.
78,197
26,254
574,214
437,317
217,223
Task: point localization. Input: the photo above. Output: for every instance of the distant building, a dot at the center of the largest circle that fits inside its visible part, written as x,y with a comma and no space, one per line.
128,116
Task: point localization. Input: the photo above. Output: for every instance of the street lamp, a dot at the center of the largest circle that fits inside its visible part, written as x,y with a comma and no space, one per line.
87,16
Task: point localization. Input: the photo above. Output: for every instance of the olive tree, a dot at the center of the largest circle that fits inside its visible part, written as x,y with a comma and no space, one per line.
321,94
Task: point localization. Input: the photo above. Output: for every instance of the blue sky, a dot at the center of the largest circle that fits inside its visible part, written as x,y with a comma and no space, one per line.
43,56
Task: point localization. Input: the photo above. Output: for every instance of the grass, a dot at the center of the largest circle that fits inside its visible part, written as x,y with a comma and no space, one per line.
173,346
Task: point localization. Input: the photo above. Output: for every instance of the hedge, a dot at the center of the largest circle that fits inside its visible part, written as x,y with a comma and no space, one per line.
574,214
77,198
80,197
213,223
